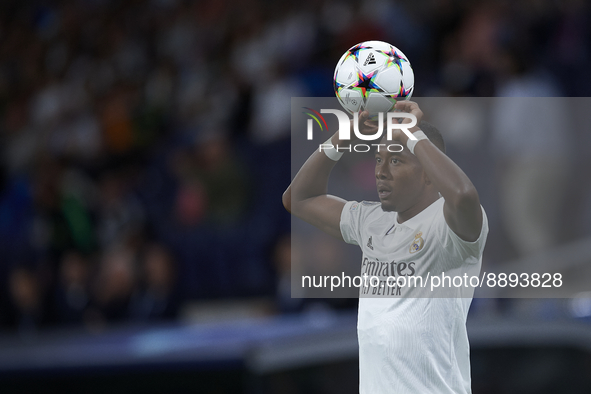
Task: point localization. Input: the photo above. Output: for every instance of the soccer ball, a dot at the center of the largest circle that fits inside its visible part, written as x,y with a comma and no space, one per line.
372,76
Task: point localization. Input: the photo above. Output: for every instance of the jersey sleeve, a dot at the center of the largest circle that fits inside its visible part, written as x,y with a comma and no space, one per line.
467,252
352,217
350,222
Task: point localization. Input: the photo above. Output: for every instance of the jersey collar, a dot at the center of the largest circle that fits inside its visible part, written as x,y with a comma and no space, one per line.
420,217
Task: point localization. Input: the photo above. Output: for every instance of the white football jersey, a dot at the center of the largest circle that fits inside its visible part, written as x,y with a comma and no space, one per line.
412,344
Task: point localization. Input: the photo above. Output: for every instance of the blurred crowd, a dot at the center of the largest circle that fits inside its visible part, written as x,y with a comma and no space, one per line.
145,144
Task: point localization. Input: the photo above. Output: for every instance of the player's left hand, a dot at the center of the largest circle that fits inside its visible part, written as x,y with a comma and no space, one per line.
410,107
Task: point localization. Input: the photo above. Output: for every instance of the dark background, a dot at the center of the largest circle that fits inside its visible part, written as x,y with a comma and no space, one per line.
145,146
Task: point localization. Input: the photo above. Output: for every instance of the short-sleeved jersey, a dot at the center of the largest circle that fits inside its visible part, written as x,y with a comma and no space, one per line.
412,344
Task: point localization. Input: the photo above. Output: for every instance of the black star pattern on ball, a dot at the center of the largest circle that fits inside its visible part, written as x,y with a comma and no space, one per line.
355,51
365,82
394,58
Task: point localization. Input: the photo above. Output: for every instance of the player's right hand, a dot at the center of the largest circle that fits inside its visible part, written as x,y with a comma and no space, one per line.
365,126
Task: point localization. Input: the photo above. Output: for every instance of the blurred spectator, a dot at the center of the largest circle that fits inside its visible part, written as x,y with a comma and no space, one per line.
526,131
117,121
272,106
30,311
115,286
158,295
120,215
62,211
72,294
214,184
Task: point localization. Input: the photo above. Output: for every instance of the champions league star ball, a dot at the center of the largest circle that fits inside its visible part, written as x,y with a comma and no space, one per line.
372,76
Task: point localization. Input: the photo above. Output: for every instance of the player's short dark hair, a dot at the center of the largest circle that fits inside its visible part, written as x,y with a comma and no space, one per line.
433,134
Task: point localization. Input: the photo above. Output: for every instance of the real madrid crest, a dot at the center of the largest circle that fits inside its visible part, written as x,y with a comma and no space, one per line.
417,244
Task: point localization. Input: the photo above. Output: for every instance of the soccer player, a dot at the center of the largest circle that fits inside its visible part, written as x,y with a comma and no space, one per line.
429,222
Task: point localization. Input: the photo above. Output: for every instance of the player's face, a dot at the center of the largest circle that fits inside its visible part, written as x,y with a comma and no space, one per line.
399,179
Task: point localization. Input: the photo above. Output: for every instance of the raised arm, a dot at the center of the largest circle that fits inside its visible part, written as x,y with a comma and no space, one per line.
307,198
462,205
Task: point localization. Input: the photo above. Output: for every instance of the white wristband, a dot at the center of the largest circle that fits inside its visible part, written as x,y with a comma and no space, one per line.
410,144
331,152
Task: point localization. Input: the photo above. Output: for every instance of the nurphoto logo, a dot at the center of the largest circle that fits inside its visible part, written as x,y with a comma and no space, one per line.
392,123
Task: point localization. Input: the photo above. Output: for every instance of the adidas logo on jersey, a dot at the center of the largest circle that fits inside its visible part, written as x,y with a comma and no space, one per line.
369,245
370,60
